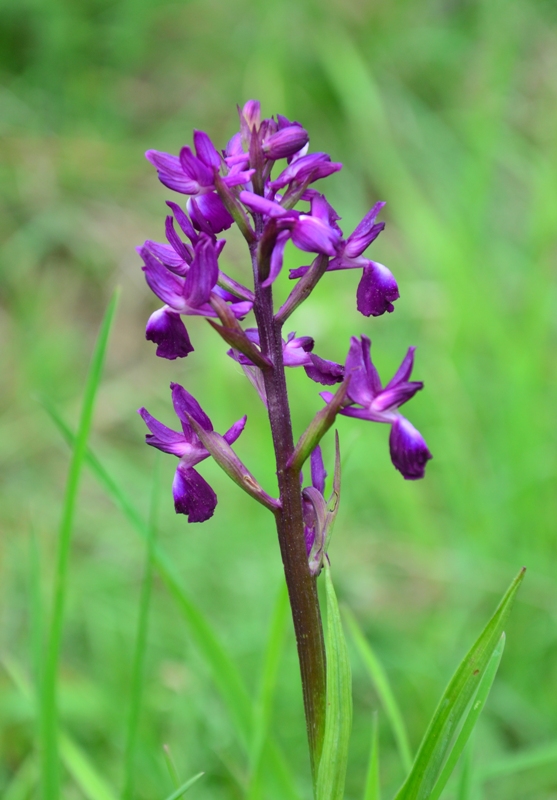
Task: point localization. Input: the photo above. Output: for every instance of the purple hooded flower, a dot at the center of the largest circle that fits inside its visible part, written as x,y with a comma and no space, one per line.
194,175
377,289
369,400
305,169
192,494
185,288
296,352
312,233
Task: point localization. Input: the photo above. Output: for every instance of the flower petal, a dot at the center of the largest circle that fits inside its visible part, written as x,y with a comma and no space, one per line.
166,329
170,172
164,283
318,473
209,214
365,232
205,150
161,437
377,290
314,236
192,495
203,273
409,452
184,403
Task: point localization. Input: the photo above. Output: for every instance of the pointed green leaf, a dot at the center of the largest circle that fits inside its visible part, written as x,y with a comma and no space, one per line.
338,720
438,740
382,687
474,712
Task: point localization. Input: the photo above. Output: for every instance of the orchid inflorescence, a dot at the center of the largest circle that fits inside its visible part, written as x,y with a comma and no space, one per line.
236,186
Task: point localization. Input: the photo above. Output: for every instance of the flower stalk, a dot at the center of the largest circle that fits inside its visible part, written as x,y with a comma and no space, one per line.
236,186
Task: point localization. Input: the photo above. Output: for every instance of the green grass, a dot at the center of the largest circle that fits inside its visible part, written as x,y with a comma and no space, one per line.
448,112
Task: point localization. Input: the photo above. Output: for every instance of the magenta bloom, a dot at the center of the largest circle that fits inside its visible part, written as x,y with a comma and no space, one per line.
369,400
194,175
377,289
192,494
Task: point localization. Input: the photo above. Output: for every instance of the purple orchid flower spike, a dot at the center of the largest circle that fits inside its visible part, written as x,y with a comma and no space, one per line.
319,513
370,401
192,494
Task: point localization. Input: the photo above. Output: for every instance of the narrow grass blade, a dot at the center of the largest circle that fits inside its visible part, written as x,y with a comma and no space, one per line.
267,691
476,709
138,668
372,789
438,740
185,786
338,721
170,765
520,762
49,712
381,684
225,674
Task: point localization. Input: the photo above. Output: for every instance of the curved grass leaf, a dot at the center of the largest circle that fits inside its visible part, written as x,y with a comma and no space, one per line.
476,709
448,717
382,687
338,720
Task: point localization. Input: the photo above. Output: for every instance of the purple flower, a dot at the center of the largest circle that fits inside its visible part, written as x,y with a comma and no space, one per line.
194,175
185,288
312,233
378,288
305,169
192,494
296,352
369,400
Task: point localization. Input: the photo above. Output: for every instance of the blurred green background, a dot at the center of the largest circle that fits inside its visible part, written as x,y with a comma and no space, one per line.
446,109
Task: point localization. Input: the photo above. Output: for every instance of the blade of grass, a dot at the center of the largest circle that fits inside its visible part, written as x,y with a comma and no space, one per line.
138,669
338,721
225,674
184,788
372,789
471,719
381,684
50,778
171,766
438,739
267,690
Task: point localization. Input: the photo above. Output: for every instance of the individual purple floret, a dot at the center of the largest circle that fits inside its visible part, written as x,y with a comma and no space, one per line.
185,288
296,352
370,401
192,494
194,175
377,289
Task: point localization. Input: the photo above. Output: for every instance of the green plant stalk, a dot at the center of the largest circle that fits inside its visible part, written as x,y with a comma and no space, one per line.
50,778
